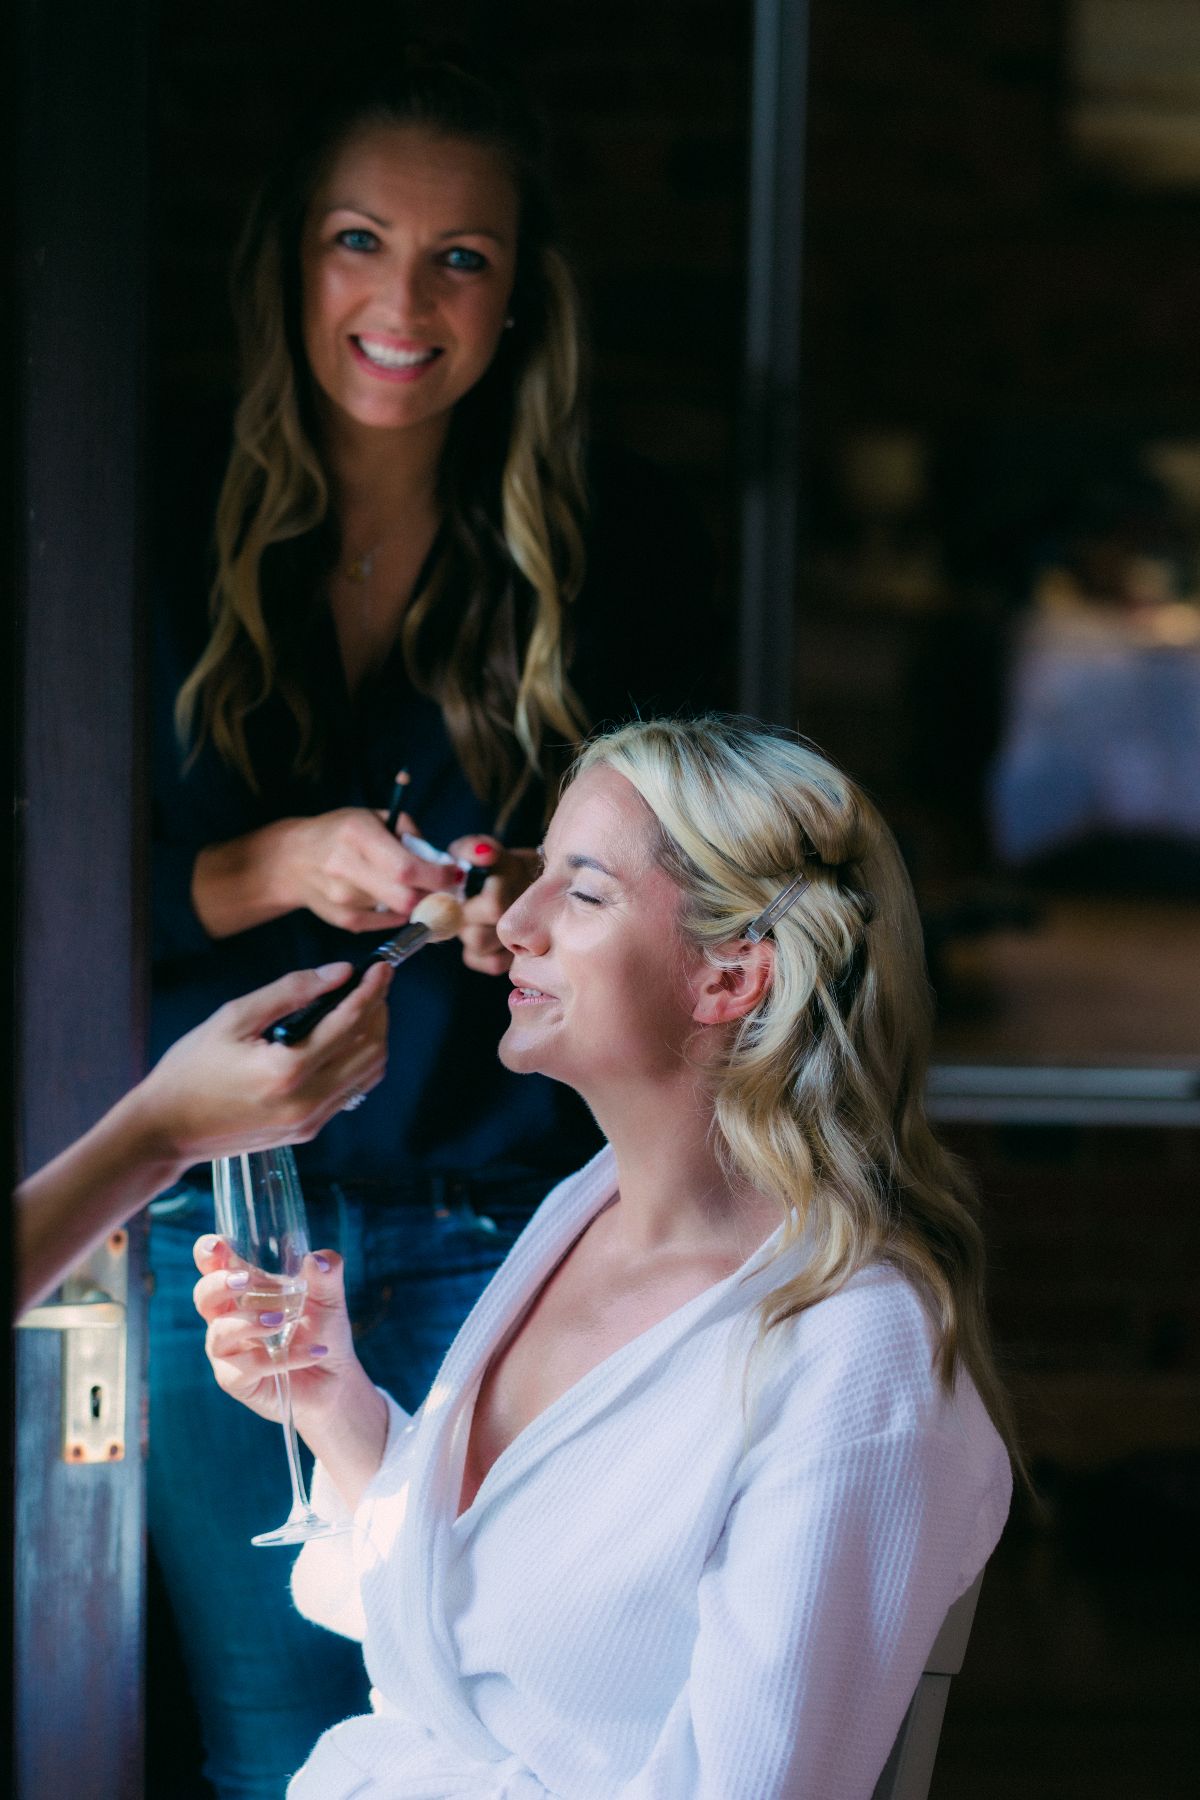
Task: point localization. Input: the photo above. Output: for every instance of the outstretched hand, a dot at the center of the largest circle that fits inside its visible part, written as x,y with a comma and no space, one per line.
220,1090
223,1089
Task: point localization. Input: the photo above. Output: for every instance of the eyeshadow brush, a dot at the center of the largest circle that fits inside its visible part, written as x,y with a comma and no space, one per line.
471,878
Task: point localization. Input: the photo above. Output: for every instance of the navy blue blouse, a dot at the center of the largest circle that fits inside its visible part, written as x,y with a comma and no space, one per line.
646,641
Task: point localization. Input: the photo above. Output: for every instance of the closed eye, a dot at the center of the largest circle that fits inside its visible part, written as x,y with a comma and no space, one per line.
590,899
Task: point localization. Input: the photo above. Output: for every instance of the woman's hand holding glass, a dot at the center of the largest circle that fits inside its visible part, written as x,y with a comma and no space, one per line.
320,1356
335,1406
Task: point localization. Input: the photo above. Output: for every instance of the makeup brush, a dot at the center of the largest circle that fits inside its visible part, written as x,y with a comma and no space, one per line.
471,878
436,917
397,802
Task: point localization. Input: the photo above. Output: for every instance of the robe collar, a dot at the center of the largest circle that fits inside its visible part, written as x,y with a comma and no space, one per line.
407,1604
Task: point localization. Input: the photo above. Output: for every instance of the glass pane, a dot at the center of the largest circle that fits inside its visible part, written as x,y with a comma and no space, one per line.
999,615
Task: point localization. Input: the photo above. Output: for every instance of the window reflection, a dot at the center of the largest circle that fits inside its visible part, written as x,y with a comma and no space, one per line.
999,610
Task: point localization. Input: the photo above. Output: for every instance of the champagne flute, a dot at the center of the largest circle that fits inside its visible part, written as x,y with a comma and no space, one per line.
260,1214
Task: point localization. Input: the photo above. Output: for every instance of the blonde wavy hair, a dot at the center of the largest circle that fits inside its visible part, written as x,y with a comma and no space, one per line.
819,1091
488,636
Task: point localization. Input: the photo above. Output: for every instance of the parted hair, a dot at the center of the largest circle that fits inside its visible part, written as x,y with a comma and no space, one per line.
488,636
819,1090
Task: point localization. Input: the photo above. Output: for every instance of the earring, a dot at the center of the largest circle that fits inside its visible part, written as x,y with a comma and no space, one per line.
509,322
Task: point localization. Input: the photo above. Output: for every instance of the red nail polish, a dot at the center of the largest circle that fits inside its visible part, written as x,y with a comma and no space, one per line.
488,850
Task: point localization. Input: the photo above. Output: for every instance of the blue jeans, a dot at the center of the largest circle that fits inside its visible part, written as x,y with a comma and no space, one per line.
267,1682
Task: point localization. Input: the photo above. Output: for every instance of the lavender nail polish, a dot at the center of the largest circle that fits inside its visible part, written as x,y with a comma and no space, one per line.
318,1349
323,1263
271,1318
238,1278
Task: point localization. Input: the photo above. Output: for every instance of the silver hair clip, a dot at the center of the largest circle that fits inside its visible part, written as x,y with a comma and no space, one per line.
783,903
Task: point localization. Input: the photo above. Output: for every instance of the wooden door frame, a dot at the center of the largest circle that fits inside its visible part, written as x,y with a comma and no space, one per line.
80,102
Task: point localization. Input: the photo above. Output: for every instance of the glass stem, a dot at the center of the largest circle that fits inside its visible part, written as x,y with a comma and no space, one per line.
283,1387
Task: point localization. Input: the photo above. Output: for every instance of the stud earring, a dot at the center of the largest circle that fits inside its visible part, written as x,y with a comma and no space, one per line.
509,322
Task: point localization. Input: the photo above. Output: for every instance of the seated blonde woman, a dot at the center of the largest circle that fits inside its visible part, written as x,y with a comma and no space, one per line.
722,1441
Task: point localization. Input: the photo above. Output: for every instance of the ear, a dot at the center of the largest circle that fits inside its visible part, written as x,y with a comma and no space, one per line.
722,995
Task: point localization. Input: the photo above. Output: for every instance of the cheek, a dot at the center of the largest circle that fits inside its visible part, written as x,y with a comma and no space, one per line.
641,1002
479,317
330,295
315,318
477,345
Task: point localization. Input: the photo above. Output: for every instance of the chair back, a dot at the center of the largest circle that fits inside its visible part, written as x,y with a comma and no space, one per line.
908,1770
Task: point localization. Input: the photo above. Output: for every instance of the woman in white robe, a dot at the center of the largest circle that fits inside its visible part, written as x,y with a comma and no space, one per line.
716,1450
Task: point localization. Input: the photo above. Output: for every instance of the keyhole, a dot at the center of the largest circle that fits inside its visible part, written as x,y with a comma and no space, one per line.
96,1397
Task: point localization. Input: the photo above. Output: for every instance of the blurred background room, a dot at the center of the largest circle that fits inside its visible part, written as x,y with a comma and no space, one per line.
904,297
998,627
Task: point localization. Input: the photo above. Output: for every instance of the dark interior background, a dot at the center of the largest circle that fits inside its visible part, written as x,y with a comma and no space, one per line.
648,111
996,333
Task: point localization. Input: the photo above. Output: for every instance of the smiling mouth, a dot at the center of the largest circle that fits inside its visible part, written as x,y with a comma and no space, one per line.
527,996
387,356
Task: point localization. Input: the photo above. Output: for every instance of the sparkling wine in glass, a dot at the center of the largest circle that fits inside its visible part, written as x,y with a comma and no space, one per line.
260,1214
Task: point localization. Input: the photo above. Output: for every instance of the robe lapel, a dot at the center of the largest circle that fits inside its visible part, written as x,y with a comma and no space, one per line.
407,1620
604,1386
406,1606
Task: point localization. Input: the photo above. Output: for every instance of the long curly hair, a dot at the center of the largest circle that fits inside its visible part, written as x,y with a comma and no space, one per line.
818,1093
488,635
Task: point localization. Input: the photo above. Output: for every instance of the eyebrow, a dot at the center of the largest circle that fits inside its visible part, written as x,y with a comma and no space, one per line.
385,224
579,861
475,231
362,211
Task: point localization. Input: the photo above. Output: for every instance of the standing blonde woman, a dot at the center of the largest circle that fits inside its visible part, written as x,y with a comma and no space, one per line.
419,566
683,1511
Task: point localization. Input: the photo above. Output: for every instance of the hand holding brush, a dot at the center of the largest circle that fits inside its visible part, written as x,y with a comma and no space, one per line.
435,918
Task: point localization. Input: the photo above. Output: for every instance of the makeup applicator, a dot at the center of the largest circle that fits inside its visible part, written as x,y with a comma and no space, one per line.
436,917
471,878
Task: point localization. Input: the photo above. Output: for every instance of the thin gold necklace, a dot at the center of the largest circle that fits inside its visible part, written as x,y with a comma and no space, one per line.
360,568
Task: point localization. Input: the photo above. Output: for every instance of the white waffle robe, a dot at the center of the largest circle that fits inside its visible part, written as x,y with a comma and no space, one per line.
676,1583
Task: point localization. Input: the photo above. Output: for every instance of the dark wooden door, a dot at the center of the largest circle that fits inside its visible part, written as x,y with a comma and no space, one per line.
80,181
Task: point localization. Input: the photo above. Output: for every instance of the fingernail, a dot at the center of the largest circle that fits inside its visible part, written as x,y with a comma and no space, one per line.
273,1318
206,1245
239,1278
326,970
323,1263
488,850
318,1349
